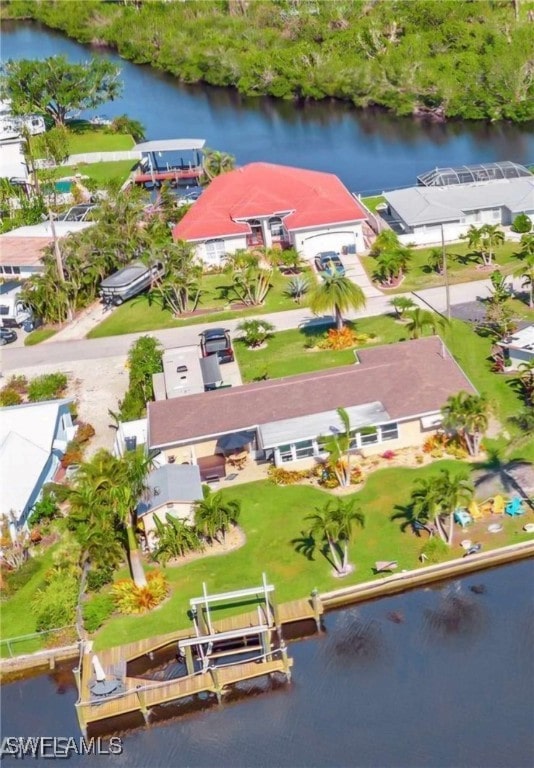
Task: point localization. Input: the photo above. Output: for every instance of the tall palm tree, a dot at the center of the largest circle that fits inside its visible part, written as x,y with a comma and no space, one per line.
441,494
435,260
215,513
337,293
402,304
467,415
334,523
456,491
526,271
337,446
527,244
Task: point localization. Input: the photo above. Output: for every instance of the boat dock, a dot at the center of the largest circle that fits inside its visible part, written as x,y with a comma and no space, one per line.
215,655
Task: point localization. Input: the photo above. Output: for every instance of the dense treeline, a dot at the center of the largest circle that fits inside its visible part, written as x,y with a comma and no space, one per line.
452,58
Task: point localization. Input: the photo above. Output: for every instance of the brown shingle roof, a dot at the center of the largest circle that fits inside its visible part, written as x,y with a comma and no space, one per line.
410,378
22,251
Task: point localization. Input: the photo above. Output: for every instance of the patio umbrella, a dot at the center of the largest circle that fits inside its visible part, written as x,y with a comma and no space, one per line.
235,441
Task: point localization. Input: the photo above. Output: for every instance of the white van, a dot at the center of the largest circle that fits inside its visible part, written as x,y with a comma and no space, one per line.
14,313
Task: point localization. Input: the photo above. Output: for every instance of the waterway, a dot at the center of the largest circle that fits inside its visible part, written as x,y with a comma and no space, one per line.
369,150
440,677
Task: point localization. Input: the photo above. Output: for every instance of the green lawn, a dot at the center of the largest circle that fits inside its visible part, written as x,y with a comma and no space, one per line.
17,618
98,172
372,202
139,315
272,517
83,138
39,335
463,266
286,353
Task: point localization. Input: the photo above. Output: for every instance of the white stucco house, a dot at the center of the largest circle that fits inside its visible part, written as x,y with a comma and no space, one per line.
418,214
33,438
268,205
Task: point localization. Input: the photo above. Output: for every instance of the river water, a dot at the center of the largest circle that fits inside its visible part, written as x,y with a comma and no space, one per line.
435,677
369,151
441,677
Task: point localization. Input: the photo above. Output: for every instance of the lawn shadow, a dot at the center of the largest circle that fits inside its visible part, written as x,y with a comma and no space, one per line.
465,259
406,513
306,545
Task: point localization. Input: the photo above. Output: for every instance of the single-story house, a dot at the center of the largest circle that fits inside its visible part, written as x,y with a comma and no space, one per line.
33,438
419,213
171,490
394,397
21,250
270,205
12,161
519,347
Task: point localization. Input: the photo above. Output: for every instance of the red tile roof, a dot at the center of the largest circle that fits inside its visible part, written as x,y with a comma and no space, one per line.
22,251
310,198
410,378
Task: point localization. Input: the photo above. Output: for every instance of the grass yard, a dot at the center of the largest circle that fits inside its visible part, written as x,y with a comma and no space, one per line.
39,335
286,353
98,172
17,616
272,517
84,138
139,315
462,266
372,202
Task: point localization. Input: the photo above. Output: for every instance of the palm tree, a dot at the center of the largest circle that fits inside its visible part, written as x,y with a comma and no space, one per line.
387,240
492,236
467,415
419,319
334,523
175,538
441,494
526,377
215,163
527,244
337,293
456,491
526,271
435,260
402,304
337,445
214,513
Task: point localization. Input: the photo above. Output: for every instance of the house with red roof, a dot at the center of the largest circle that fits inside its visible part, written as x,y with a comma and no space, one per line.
266,205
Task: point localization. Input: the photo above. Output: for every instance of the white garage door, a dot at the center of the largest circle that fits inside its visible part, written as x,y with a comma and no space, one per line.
332,241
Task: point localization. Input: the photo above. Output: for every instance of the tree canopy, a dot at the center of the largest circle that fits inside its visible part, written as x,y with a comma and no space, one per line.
55,86
447,59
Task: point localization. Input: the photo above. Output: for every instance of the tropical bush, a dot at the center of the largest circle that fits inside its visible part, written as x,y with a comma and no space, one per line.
49,386
144,360
98,577
521,224
125,124
255,332
54,605
435,550
344,338
13,580
97,610
281,476
9,396
297,288
44,510
129,598
18,383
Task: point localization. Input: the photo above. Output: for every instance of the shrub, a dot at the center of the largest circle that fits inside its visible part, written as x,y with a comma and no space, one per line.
54,606
14,580
388,455
97,610
133,406
73,455
50,386
9,396
345,338
255,332
44,509
521,224
281,476
437,441
84,432
129,598
297,287
99,577
19,384
435,549
356,476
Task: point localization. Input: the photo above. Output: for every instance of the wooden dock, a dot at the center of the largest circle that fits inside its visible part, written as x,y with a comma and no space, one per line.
137,694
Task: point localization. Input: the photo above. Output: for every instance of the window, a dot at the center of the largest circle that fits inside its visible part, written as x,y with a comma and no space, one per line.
8,270
16,270
276,226
286,453
303,449
368,436
215,251
389,431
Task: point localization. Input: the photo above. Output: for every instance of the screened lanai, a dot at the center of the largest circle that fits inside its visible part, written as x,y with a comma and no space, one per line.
468,174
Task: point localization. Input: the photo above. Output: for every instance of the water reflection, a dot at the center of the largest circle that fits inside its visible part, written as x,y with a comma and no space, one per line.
459,616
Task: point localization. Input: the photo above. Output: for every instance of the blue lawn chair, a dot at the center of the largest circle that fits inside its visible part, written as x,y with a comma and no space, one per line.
514,507
462,517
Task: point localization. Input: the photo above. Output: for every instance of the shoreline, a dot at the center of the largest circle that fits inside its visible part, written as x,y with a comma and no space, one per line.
28,665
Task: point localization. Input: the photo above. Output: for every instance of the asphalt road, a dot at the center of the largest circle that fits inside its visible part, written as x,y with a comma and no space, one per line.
93,349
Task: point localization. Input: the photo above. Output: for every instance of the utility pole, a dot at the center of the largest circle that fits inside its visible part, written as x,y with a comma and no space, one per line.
59,260
445,274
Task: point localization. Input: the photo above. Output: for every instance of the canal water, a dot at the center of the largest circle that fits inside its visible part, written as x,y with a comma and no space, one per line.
440,677
369,150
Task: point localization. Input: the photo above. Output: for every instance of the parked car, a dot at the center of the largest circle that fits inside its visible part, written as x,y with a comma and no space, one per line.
330,263
216,341
7,335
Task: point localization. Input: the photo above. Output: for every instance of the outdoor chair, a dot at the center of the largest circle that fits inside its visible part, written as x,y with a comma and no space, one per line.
498,505
383,566
514,507
462,517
